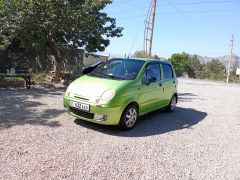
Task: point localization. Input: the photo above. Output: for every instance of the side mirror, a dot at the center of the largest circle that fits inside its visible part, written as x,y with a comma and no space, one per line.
152,79
149,80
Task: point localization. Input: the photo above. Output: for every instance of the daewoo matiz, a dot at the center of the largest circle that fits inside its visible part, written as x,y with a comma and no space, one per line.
120,90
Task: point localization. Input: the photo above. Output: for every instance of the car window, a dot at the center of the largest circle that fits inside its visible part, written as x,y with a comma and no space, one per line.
167,71
153,69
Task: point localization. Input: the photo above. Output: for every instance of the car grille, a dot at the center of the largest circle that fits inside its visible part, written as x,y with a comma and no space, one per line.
81,113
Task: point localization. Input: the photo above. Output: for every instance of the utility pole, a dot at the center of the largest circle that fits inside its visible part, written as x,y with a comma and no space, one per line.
230,59
149,29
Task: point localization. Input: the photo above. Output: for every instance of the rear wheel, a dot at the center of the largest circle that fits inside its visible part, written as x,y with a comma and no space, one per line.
172,105
129,118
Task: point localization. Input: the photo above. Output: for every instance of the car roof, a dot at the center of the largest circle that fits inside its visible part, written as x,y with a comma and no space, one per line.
146,60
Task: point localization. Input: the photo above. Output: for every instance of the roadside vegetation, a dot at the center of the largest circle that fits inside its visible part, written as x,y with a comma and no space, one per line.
189,66
142,54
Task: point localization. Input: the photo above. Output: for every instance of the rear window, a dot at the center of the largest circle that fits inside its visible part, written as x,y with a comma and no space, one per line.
167,71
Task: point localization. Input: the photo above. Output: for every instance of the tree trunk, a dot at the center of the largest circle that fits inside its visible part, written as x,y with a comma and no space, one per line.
59,60
57,63
58,67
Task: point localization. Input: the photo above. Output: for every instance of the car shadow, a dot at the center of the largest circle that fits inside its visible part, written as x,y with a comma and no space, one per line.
188,97
155,123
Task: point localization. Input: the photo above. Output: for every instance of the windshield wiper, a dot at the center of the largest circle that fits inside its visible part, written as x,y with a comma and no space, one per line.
96,75
106,76
114,77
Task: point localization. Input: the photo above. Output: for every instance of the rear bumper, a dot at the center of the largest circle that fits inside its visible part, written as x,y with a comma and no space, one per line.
112,114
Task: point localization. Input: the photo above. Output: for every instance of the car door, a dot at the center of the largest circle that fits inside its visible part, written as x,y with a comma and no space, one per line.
151,97
169,82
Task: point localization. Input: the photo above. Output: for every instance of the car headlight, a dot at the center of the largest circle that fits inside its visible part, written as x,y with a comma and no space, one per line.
108,95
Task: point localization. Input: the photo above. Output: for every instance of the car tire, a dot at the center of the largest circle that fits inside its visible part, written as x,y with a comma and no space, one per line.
129,118
172,105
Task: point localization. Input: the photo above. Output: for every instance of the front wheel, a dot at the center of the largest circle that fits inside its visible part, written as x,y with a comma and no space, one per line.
129,118
172,105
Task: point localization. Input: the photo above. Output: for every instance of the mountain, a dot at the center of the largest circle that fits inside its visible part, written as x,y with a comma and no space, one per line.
224,59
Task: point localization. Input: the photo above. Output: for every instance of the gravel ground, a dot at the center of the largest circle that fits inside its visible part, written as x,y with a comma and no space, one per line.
200,140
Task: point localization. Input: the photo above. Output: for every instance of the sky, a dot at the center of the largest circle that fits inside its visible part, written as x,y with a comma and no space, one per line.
203,27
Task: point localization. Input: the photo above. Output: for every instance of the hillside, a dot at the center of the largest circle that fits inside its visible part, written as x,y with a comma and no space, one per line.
223,59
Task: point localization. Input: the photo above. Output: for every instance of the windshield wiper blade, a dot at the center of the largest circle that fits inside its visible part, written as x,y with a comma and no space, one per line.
106,76
114,77
97,75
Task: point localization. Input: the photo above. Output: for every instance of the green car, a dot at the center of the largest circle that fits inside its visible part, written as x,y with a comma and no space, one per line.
120,90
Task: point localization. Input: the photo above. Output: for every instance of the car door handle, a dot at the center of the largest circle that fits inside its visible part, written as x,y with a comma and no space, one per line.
174,82
161,84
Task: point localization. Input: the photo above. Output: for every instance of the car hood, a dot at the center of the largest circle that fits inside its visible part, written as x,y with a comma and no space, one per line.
88,86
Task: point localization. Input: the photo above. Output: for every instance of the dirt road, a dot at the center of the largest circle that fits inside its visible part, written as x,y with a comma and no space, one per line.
200,140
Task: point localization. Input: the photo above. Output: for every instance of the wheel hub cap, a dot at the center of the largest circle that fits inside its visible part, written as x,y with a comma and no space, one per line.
173,103
131,117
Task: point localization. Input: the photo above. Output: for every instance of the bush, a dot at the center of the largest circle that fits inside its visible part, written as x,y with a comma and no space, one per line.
181,63
233,76
38,78
185,64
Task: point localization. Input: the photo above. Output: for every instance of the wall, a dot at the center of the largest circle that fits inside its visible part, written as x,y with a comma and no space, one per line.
93,58
38,60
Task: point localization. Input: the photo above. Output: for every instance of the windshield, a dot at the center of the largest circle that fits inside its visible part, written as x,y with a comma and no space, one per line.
121,69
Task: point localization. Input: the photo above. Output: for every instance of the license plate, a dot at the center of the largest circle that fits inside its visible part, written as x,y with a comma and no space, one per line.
77,105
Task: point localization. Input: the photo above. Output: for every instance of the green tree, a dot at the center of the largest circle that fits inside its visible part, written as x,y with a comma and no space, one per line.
139,54
142,54
233,75
60,26
156,57
196,67
181,63
214,69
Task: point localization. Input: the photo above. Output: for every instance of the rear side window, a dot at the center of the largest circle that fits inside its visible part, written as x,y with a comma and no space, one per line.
167,71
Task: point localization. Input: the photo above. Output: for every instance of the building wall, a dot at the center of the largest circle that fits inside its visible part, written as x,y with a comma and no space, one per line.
75,63
89,59
39,60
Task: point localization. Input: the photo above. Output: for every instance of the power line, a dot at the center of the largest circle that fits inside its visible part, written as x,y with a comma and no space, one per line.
185,12
166,4
179,11
131,4
133,43
191,21
203,2
202,11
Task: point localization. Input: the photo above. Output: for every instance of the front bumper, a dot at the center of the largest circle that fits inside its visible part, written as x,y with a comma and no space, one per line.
112,114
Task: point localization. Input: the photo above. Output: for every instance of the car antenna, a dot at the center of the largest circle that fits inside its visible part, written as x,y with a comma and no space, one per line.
133,43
